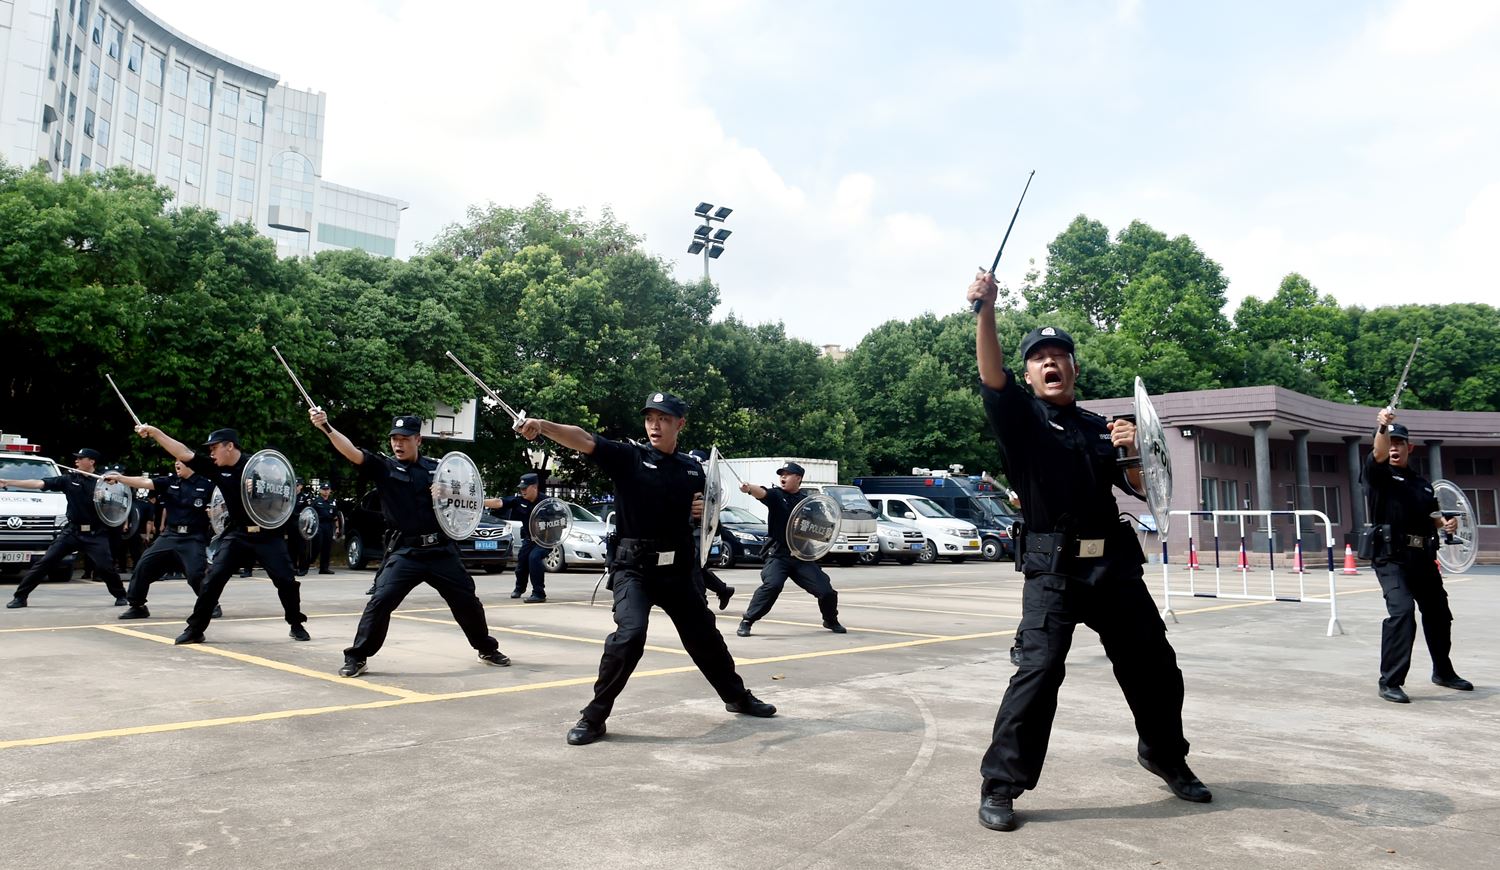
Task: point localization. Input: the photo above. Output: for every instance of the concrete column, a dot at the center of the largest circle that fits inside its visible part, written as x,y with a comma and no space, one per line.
1434,458
1304,499
1262,429
1356,490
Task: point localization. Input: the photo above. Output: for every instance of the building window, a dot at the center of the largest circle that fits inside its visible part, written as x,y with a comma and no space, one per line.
179,81
72,106
1209,496
293,167
255,110
133,60
1326,463
156,68
175,123
229,101
94,77
171,166
148,112
1326,499
226,143
67,155
113,45
144,153
248,150
88,123
103,132
56,31
84,163
193,173
98,29
132,102
197,133
1474,466
77,59
224,182
1485,505
83,14
203,90
107,92
1229,495
126,152
247,189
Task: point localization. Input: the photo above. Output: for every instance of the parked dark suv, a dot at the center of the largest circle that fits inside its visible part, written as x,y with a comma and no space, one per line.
490,548
742,536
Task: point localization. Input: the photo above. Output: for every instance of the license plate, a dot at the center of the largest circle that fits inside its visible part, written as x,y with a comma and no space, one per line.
859,548
486,545
971,545
918,546
15,557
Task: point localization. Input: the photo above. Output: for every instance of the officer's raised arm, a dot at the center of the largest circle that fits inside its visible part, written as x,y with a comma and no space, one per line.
132,482
571,437
178,450
756,492
339,440
986,343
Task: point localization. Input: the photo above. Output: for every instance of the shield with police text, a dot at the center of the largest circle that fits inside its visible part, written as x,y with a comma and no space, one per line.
1458,549
713,502
112,502
307,523
813,527
1156,460
268,487
457,495
549,523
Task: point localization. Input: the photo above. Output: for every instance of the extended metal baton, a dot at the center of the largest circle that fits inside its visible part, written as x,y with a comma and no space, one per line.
122,400
305,397
995,265
1401,384
517,417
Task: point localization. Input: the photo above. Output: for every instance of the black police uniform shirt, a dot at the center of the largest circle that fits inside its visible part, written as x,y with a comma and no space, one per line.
653,491
405,491
1061,462
779,506
517,508
1403,498
227,479
327,509
78,489
185,502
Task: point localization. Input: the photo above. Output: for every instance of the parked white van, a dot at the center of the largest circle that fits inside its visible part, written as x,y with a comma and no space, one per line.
947,536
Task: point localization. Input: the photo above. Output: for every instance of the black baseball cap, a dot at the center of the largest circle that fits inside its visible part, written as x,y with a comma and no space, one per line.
407,424
325,485
1396,430
1044,335
666,403
219,436
88,453
791,468
527,479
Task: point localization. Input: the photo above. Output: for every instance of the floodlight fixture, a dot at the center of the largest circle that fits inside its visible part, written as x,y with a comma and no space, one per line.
703,209
702,231
714,250
722,212
721,234
695,246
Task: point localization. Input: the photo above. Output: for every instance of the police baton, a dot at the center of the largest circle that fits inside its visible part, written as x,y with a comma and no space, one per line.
305,397
122,400
517,417
995,265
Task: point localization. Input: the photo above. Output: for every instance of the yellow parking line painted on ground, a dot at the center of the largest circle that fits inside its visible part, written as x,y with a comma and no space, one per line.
248,659
929,610
902,644
819,625
221,619
548,635
913,586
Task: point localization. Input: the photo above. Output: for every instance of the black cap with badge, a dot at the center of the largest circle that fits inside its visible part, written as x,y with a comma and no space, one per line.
1396,430
88,453
407,424
791,468
527,479
220,436
1044,335
666,403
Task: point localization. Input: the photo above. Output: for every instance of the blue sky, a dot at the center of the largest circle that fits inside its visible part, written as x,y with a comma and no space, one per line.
873,152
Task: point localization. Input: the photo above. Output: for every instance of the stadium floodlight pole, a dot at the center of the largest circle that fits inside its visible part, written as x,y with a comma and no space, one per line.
706,239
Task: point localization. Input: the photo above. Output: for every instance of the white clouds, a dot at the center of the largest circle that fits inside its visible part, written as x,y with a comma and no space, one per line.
1420,29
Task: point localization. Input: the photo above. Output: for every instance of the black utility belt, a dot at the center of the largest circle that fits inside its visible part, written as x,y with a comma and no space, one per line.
1064,544
651,553
189,531
431,539
83,527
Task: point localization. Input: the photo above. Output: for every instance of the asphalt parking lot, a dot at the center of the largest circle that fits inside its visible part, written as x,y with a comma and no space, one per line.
117,748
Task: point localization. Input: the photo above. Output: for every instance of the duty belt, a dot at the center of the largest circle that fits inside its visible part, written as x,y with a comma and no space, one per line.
432,539
648,552
184,530
1065,545
248,529
84,528
1416,542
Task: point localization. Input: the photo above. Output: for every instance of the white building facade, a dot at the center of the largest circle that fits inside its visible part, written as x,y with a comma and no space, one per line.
90,84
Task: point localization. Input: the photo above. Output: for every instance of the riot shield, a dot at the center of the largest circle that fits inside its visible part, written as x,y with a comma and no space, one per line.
218,515
307,523
269,489
1457,551
713,502
112,502
1156,460
457,495
549,523
813,527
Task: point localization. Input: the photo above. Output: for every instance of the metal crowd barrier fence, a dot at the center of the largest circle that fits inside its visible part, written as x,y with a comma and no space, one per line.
1244,592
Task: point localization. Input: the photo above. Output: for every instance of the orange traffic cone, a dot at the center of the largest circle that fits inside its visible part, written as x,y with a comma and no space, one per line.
1298,552
1192,558
1350,567
1244,564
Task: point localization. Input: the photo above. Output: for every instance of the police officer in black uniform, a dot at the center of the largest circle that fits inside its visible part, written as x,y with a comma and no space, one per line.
84,534
1405,512
222,461
657,491
530,564
183,541
1081,563
779,562
709,580
330,524
420,552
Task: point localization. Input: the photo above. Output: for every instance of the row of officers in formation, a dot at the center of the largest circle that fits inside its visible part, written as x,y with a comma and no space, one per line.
1082,563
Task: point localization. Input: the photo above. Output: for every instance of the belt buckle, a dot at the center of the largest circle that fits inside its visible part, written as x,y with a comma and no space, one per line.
1090,548
665,558
1416,542
252,529
181,530
83,528
428,539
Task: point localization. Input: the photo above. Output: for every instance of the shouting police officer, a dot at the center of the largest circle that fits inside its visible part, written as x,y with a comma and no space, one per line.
183,542
330,524
530,560
84,534
1405,510
658,490
779,561
420,552
1081,563
244,541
